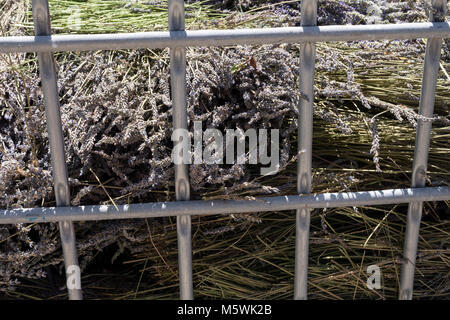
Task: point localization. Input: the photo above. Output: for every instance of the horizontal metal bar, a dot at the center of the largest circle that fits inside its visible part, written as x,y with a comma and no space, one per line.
201,38
212,207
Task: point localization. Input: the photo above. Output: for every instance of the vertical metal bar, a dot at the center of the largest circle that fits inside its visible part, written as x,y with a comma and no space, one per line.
426,106
47,68
182,187
305,128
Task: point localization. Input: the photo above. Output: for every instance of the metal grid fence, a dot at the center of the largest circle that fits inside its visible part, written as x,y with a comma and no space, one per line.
177,39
